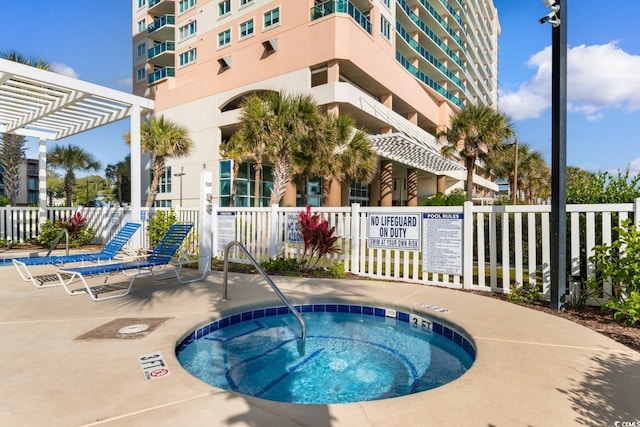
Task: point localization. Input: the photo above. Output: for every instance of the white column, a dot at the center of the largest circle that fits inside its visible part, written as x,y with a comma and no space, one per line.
42,180
204,222
136,193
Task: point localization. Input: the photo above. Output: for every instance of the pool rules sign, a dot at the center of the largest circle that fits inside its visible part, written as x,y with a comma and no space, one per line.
442,243
394,231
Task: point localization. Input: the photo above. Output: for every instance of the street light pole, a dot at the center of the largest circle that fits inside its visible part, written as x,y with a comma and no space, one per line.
180,175
514,196
558,19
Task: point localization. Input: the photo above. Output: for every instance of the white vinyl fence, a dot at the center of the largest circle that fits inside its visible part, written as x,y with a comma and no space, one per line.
499,246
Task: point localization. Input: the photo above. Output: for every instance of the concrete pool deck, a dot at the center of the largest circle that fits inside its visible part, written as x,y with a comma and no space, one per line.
60,369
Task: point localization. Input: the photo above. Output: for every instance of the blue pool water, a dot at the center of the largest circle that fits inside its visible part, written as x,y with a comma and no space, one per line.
353,353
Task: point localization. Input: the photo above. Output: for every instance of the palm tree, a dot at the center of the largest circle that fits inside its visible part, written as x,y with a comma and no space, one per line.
235,149
71,159
338,152
296,118
475,131
534,177
12,154
163,139
16,56
273,127
119,173
257,122
12,150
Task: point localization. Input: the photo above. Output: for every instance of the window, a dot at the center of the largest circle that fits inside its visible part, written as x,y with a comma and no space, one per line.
245,2
185,5
188,57
142,25
246,29
188,30
141,3
162,203
387,3
224,38
245,184
272,18
359,193
224,7
140,74
32,183
165,181
142,49
33,197
385,28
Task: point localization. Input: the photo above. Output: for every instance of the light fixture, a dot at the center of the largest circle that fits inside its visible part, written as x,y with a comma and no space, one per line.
270,45
225,62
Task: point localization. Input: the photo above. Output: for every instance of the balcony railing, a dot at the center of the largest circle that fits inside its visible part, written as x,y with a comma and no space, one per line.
161,48
161,22
161,74
341,6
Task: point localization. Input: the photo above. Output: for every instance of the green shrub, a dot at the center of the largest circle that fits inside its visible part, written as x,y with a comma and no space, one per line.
455,198
159,224
280,265
337,271
526,293
619,264
628,311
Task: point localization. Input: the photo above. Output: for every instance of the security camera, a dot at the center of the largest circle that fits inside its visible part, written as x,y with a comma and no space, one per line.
551,17
549,3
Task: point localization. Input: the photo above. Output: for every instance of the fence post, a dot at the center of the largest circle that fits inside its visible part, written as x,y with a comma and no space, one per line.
274,232
354,254
467,245
215,239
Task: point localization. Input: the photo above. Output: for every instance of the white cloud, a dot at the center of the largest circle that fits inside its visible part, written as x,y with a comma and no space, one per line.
64,70
599,77
634,167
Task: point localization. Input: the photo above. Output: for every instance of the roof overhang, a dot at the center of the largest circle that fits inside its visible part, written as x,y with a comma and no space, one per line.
403,149
47,105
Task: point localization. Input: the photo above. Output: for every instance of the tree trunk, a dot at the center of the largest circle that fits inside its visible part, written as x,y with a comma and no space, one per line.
234,180
158,170
470,163
281,172
257,167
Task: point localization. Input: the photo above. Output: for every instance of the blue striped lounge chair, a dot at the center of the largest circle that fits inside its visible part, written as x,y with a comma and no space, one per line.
155,262
107,254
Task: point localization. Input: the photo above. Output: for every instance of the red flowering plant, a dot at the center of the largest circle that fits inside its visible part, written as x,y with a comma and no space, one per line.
79,233
75,224
319,239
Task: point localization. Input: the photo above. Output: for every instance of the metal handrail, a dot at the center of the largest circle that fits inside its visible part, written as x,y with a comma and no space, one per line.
284,299
55,242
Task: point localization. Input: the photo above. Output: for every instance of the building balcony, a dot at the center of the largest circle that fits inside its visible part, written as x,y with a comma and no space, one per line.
161,74
162,7
341,6
163,28
163,53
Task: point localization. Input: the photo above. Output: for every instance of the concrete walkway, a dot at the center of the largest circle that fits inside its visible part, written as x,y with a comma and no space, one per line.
61,369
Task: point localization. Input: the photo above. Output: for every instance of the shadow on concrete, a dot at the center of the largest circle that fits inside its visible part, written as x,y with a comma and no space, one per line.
608,392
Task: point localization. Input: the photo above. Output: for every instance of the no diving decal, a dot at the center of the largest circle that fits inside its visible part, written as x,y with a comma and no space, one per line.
153,366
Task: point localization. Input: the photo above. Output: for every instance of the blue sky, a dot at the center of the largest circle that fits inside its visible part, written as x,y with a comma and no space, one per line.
93,43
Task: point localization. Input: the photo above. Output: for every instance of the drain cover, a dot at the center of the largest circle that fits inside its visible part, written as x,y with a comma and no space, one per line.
133,329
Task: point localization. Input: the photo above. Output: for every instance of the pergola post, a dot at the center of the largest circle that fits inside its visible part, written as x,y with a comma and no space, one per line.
136,192
42,181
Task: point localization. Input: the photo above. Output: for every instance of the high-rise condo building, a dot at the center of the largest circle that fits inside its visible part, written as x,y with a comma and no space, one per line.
399,68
